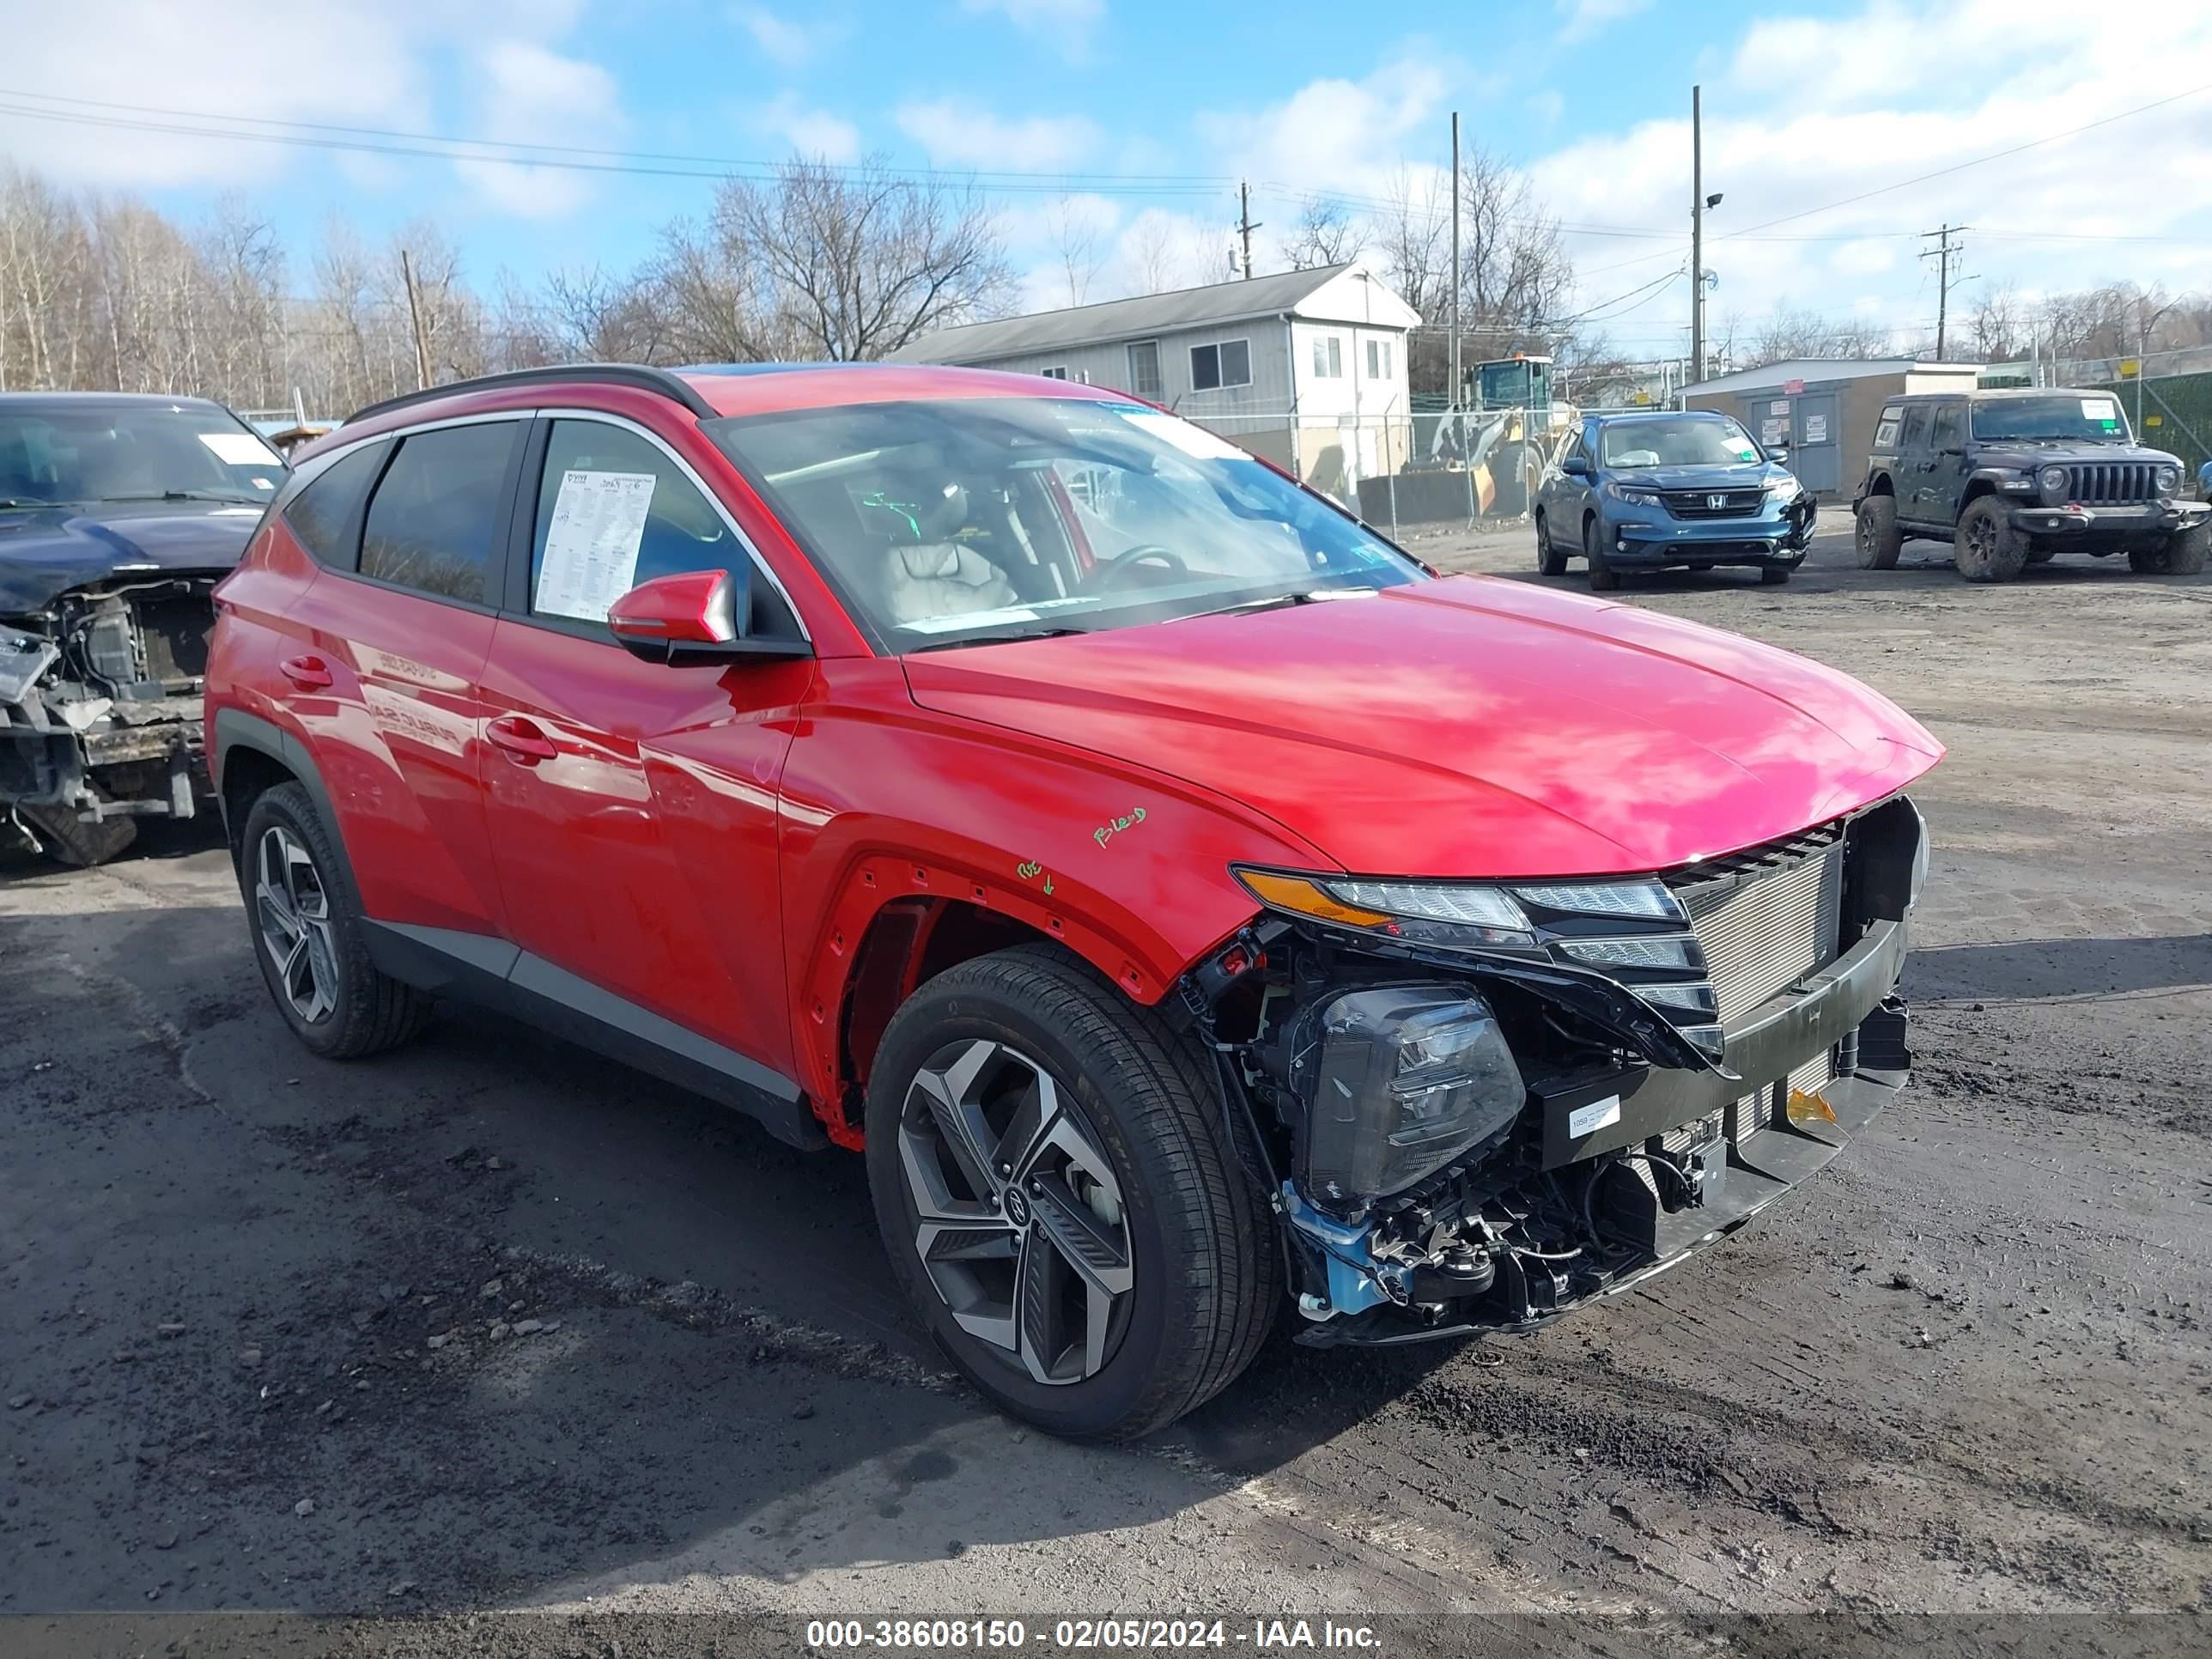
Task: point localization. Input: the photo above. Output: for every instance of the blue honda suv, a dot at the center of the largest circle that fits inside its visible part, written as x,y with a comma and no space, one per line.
1636,491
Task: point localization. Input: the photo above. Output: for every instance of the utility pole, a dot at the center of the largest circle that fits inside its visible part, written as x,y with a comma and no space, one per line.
1456,382
1697,235
415,314
1945,282
1244,225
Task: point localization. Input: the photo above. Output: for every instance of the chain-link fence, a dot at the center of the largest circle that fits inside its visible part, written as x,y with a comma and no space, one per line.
1402,470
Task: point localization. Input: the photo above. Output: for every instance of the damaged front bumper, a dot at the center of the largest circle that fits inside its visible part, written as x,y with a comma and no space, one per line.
1751,1157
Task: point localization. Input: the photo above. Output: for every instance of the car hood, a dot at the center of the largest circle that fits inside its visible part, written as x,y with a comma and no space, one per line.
1464,727
2020,455
1695,477
45,551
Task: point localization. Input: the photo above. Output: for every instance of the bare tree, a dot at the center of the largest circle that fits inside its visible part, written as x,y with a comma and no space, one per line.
1325,235
1075,242
861,262
1996,325
1156,263
1791,331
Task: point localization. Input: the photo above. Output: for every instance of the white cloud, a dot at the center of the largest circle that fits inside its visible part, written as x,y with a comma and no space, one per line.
533,95
815,134
1038,17
1546,106
955,133
281,60
783,42
1586,18
1808,113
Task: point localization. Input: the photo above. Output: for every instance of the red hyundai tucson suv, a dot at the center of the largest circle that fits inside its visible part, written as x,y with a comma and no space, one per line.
1197,910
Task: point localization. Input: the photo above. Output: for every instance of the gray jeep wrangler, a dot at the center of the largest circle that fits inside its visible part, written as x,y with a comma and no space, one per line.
2010,479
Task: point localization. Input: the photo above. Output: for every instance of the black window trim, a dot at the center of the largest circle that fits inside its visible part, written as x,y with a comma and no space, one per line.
305,478
522,528
503,510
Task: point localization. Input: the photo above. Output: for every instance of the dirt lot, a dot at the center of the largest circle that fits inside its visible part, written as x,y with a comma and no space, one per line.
249,1361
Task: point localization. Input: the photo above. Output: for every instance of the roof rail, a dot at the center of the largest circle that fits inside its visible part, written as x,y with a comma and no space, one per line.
630,375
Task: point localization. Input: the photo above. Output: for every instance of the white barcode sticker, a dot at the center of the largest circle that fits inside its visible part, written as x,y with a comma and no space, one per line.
1589,1120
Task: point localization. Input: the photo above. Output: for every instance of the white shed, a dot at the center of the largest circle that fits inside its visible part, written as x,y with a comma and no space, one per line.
1306,367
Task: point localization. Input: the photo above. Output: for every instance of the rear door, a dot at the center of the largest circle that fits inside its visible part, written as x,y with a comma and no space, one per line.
391,639
1946,475
632,804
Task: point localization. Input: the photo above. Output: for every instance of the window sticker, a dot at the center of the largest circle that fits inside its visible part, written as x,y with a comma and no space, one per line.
2100,409
240,449
591,546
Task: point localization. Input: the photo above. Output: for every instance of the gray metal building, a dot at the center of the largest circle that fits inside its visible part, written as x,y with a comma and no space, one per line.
1824,408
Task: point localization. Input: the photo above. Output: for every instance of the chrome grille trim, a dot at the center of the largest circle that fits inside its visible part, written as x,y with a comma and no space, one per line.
1695,503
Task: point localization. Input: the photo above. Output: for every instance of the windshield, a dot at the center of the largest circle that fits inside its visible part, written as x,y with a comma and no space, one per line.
2062,415
1682,441
986,517
79,453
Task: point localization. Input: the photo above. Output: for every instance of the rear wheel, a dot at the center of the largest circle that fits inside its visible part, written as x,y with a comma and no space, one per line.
307,936
1049,1172
1549,560
1878,538
1603,578
2182,554
1986,547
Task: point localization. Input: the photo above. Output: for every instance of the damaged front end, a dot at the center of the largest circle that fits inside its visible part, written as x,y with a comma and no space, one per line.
100,711
1484,1104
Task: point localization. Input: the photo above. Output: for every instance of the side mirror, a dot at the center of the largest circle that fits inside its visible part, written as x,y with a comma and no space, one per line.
1951,449
696,616
1576,466
1777,453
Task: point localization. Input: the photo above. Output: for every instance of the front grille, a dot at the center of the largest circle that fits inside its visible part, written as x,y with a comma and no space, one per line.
1699,503
1768,927
2107,483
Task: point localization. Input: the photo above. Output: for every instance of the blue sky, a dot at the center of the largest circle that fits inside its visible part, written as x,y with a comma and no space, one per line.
1806,105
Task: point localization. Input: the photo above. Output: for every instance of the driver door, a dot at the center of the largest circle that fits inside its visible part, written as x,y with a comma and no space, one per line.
1947,463
632,805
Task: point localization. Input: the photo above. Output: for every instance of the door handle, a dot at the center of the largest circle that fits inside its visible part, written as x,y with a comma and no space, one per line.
308,673
520,740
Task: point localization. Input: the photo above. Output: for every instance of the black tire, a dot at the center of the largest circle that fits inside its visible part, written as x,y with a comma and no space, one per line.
1549,560
1878,538
1204,1269
1773,576
1603,578
2181,554
1986,547
67,839
369,1010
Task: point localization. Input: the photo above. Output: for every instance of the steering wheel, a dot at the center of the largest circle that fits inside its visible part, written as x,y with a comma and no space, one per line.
1109,575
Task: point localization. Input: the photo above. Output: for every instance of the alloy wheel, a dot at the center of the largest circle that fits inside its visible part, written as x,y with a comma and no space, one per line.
293,910
1981,538
1019,1217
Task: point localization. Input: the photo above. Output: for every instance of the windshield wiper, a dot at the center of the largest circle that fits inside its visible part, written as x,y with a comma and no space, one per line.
10,500
231,497
999,637
1276,601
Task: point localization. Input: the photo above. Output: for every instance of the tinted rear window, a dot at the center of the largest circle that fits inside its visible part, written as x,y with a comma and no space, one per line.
429,525
325,515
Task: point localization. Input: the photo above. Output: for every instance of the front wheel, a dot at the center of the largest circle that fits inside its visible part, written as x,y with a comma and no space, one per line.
1877,538
1603,578
1050,1174
2181,554
1774,576
1987,549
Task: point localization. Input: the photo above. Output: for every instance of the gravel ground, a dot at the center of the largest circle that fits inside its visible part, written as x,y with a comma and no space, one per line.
489,1324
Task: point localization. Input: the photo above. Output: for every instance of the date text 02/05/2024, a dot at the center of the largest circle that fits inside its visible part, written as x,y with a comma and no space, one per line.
1005,1635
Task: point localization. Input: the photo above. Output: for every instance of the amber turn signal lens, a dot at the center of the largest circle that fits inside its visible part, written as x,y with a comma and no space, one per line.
1305,898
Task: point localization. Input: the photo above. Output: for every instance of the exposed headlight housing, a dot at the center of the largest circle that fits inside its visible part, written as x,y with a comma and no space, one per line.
1634,494
1409,1077
1785,486
2052,482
